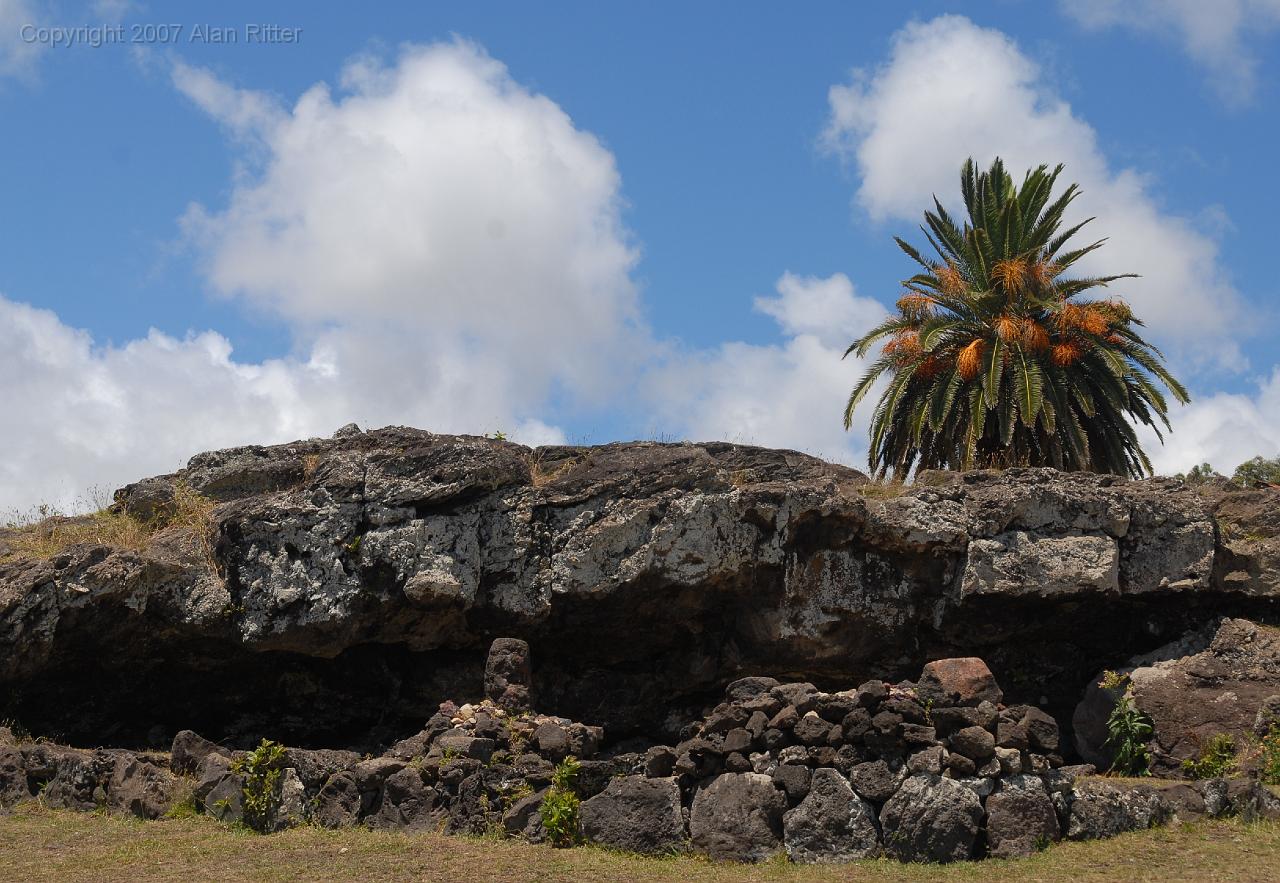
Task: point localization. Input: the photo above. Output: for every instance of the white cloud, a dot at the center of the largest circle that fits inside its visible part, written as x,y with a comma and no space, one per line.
1216,35
244,112
436,193
950,90
18,54
1223,429
438,196
83,416
788,395
446,246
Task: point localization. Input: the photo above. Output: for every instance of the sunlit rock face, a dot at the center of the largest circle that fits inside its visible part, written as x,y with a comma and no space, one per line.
348,585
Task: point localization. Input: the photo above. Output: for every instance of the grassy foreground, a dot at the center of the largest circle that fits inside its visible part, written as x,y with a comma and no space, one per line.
39,844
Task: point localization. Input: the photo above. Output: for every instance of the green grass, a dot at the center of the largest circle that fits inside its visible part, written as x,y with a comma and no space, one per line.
53,845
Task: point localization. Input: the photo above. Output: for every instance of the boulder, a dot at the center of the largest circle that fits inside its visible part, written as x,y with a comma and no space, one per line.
225,800
812,729
189,750
370,774
338,803
636,814
738,816
974,743
875,781
508,675
931,819
1041,729
832,824
1021,818
746,689
79,778
13,777
140,788
659,761
290,809
929,761
1101,809
962,681
406,801
524,818
551,741
463,744
1211,681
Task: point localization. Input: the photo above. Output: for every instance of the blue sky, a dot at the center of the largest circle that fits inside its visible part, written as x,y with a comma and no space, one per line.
580,222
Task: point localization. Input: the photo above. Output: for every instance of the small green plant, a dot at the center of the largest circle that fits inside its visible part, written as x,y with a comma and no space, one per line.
1128,730
261,769
1043,842
1217,759
561,807
515,794
353,547
185,806
517,736
1269,756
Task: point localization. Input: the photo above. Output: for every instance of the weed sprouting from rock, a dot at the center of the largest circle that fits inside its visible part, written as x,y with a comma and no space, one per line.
1217,758
261,769
1128,730
561,808
1269,756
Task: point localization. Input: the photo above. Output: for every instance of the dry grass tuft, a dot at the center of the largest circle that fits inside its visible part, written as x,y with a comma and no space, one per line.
882,489
44,531
310,463
542,474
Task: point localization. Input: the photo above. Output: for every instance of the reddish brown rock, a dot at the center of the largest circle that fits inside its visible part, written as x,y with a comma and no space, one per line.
961,681
1211,681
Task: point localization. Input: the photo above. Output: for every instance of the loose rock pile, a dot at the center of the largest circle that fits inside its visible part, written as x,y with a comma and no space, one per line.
936,770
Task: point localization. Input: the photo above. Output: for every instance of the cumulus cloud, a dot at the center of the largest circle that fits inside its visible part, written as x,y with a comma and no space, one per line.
786,395
446,246
85,416
436,193
1215,35
950,90
1223,429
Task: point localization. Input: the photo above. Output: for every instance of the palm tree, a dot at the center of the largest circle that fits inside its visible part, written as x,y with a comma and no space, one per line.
994,359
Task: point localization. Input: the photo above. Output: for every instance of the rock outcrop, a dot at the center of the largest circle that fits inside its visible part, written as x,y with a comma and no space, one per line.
875,770
348,585
1221,679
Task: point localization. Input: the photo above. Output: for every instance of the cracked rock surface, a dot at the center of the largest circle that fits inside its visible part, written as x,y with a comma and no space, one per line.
350,584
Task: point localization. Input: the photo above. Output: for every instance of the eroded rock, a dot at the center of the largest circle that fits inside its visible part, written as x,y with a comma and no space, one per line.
931,819
832,824
636,814
1211,681
360,579
738,817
